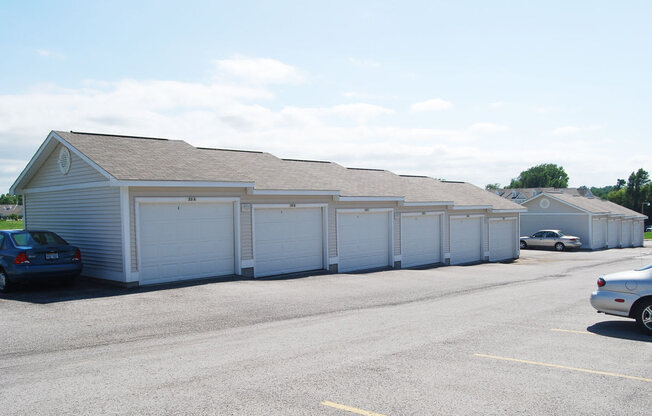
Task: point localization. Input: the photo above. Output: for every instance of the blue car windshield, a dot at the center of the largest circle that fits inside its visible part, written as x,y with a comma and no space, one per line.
648,267
37,238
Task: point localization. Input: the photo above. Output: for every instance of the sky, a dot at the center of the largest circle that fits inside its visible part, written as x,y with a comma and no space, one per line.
474,91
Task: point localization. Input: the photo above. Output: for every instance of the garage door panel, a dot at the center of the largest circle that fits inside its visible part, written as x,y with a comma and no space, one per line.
185,241
288,240
466,240
599,233
363,240
502,239
420,240
613,234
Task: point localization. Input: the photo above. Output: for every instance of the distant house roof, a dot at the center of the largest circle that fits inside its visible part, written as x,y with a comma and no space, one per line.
130,158
6,210
527,193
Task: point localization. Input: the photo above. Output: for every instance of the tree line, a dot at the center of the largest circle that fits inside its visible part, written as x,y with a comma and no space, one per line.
634,193
7,199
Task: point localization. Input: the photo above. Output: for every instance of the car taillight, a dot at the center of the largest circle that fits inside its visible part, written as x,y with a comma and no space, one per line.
21,258
77,256
601,282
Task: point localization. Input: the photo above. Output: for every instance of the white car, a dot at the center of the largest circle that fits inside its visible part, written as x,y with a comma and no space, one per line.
627,294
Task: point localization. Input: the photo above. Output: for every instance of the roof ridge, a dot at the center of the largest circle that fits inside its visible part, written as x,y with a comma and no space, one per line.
118,135
414,176
305,160
229,150
374,170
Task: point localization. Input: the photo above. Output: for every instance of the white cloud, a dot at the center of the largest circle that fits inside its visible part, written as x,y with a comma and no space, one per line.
258,71
435,104
566,130
44,53
496,104
488,128
364,63
227,113
360,112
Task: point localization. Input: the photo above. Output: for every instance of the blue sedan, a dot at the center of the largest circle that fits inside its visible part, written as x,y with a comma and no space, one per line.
33,255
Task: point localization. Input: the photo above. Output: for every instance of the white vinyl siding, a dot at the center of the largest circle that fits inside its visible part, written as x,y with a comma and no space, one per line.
87,218
466,239
50,175
364,240
288,240
185,240
420,239
246,232
570,224
502,239
332,231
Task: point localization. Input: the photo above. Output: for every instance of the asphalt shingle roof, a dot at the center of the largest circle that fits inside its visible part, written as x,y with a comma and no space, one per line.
148,159
595,205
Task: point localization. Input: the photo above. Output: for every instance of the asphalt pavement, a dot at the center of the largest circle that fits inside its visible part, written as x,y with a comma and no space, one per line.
492,339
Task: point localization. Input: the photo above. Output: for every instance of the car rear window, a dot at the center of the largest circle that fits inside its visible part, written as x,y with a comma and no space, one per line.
37,238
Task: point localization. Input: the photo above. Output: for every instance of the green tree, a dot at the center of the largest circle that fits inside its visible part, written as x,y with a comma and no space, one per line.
618,196
541,176
7,199
636,189
492,186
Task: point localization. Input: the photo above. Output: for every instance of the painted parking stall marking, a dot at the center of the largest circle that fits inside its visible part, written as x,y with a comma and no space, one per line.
563,367
350,409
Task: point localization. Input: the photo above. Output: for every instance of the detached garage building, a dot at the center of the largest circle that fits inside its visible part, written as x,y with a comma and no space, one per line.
599,224
147,210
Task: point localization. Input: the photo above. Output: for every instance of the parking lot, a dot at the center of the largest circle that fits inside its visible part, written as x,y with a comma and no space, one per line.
515,338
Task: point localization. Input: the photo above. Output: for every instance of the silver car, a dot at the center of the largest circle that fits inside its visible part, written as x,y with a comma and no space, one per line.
550,239
627,294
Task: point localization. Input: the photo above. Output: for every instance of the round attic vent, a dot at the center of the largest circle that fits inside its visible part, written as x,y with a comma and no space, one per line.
544,203
64,160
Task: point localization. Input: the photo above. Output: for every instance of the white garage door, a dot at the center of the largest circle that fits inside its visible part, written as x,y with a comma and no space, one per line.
613,234
420,239
466,240
627,233
185,241
363,240
599,233
502,239
287,240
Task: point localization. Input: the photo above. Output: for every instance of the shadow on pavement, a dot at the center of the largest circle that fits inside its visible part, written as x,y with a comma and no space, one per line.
619,329
88,288
84,288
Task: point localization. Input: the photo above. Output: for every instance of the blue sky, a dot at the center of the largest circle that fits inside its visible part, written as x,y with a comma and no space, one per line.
463,90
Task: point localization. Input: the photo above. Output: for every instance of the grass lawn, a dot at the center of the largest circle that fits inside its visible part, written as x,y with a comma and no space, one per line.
648,235
11,225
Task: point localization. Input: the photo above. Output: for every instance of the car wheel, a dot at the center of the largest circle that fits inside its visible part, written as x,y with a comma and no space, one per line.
559,246
5,286
644,316
523,245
